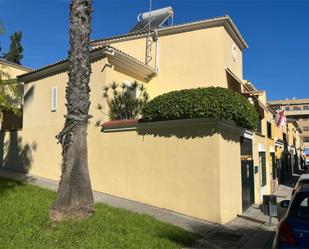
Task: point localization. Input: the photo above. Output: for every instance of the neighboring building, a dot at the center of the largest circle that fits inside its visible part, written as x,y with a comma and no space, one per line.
10,70
296,109
289,150
295,146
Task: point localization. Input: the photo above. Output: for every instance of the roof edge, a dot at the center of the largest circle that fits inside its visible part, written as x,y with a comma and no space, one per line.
224,21
100,52
9,63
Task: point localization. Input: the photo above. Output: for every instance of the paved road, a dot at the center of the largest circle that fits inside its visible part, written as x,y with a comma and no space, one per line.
251,231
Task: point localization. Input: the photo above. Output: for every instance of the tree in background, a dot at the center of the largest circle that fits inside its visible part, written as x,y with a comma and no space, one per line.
16,49
75,199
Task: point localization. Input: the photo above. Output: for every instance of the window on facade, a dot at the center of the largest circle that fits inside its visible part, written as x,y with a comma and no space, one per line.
53,105
262,166
269,130
306,107
287,108
133,93
273,162
259,126
296,108
306,139
306,128
284,137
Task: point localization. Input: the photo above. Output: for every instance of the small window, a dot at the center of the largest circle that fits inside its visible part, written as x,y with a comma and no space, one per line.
273,163
262,166
269,130
134,93
287,108
306,107
259,126
306,128
54,97
284,137
296,108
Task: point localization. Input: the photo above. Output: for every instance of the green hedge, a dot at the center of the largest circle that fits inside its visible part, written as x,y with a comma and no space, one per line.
211,102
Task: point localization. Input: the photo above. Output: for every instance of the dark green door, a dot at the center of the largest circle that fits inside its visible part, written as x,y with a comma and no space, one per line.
247,173
247,180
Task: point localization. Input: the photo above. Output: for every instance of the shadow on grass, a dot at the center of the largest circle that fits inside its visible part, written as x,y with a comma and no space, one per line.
181,238
8,185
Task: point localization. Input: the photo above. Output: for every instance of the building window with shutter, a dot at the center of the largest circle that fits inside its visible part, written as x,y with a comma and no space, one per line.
54,97
262,166
269,135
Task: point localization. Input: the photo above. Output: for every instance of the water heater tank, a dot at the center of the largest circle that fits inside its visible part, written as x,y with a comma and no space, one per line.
158,18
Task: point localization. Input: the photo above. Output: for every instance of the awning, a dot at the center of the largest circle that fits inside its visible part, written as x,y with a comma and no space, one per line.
258,104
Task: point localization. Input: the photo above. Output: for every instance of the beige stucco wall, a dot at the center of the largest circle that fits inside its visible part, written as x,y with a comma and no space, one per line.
187,60
189,169
41,125
235,65
230,175
257,139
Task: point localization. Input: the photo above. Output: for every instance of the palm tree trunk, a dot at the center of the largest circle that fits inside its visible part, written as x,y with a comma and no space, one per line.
75,198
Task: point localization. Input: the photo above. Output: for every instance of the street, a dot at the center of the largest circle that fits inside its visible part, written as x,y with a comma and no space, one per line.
251,230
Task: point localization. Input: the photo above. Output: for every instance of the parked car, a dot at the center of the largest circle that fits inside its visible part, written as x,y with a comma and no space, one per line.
293,229
303,179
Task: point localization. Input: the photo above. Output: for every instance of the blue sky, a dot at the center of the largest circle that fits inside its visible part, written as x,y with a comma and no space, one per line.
277,33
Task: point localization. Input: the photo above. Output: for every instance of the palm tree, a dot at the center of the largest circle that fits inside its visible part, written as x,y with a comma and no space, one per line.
75,198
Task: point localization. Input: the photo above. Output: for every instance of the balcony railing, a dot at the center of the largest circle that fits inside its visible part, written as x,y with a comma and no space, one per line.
296,112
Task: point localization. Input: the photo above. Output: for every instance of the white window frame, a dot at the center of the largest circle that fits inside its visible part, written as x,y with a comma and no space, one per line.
128,83
54,99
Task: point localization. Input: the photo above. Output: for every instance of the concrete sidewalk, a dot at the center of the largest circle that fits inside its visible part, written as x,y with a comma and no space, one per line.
191,224
250,231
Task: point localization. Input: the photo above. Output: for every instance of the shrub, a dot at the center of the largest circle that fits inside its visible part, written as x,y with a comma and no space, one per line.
123,100
212,103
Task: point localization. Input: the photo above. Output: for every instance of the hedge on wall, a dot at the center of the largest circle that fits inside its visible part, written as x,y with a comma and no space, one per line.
211,102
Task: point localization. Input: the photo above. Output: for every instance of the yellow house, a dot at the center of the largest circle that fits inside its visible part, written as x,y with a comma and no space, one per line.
166,164
10,71
294,145
289,150
265,180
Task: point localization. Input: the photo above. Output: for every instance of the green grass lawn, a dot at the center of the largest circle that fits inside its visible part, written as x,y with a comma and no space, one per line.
24,224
